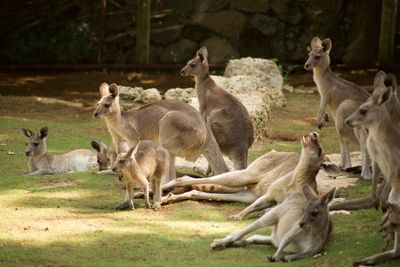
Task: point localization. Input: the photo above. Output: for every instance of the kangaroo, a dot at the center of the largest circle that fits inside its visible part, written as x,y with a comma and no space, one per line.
265,182
103,153
41,163
175,125
390,223
227,117
342,98
302,226
384,149
391,108
140,164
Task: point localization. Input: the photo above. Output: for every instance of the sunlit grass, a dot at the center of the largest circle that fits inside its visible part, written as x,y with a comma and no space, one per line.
70,220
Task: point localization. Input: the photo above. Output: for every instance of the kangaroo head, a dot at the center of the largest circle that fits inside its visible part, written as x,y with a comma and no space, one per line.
316,211
109,101
319,54
311,147
101,153
372,110
391,220
36,144
197,66
124,158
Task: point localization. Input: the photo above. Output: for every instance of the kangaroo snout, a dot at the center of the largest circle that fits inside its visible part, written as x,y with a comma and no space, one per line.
183,74
348,122
307,66
28,153
95,115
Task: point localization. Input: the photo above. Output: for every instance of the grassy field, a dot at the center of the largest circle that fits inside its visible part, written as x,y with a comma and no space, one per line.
70,220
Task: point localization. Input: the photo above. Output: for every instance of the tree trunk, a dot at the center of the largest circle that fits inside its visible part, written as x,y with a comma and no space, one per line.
387,32
101,30
143,32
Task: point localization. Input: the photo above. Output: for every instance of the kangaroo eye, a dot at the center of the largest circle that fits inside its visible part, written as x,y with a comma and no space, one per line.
35,144
106,105
314,213
192,65
363,111
121,161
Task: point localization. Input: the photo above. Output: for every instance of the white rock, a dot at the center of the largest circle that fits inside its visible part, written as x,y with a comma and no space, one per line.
149,96
128,96
180,94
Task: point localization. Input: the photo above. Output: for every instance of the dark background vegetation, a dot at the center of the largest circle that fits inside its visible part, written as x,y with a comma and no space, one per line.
69,31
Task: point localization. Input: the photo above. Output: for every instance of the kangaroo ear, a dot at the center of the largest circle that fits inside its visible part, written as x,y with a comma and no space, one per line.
102,144
379,78
113,90
325,199
131,151
104,89
390,80
330,169
316,42
309,192
123,146
43,132
96,146
384,96
327,45
27,133
202,53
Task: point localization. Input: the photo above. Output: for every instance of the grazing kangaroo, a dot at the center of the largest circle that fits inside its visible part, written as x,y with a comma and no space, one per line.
103,153
265,182
384,147
140,164
302,226
41,163
227,117
175,125
342,98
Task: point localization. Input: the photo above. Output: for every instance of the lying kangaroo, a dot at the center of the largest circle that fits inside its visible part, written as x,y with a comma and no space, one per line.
253,185
41,163
103,153
384,147
140,164
175,125
342,98
227,117
302,226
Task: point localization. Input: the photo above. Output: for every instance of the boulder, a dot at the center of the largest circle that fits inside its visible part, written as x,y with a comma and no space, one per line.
179,52
266,25
149,96
180,94
128,96
265,70
287,11
165,35
254,6
220,50
228,23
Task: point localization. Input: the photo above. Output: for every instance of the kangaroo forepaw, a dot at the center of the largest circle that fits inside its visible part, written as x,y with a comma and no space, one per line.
271,259
236,217
126,205
218,244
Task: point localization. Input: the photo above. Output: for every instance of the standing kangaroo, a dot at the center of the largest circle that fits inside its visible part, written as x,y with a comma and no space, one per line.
41,163
227,117
147,161
175,125
342,98
302,226
384,147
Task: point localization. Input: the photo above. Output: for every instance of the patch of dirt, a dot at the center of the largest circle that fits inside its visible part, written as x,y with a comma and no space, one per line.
57,182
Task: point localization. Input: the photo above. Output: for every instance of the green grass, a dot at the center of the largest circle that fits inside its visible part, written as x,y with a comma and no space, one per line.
69,219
